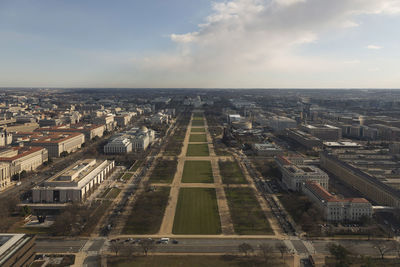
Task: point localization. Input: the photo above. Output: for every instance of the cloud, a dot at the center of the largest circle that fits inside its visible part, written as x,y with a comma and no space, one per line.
252,38
374,47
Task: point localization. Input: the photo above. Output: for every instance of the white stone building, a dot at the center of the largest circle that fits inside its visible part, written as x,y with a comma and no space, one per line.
119,145
75,183
294,176
5,138
335,209
5,178
280,123
59,142
23,158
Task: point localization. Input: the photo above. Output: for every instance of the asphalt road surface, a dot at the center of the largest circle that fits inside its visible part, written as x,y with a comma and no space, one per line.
206,245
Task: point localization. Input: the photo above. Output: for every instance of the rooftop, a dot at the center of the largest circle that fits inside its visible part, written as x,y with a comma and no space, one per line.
323,194
76,171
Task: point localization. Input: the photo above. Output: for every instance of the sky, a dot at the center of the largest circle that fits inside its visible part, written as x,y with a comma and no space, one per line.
200,43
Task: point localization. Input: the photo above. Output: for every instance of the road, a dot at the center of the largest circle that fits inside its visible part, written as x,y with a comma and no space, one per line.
206,245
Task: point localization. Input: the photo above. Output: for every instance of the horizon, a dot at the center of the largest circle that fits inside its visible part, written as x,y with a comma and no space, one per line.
235,44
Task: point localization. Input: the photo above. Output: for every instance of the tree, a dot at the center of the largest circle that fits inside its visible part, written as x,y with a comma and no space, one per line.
266,252
147,245
340,253
245,248
129,250
23,174
25,211
116,247
383,247
281,248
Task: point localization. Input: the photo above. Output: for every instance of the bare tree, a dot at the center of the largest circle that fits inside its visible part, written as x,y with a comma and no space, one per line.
147,245
129,250
116,247
383,247
266,252
245,248
282,248
339,252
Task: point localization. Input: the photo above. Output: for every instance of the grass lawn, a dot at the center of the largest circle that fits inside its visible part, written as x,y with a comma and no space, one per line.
175,142
147,213
95,216
247,215
231,172
104,194
197,171
126,176
37,263
34,230
198,114
198,130
113,193
197,123
136,165
198,118
190,260
197,150
197,138
164,171
197,212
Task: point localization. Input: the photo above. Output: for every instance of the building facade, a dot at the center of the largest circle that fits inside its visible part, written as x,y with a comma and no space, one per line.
23,158
5,178
119,145
369,186
16,250
5,138
75,183
294,176
57,143
335,209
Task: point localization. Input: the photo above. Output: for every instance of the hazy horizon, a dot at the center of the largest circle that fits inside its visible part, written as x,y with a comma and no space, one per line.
261,44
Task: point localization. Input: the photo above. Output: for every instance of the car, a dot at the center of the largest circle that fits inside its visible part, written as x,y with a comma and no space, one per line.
164,240
174,241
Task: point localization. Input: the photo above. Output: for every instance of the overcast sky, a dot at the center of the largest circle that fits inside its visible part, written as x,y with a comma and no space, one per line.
200,43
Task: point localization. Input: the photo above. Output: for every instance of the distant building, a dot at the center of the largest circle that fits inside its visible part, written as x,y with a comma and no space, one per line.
386,132
75,183
394,148
119,145
23,158
279,123
5,138
371,187
50,122
304,138
122,120
5,178
134,139
335,209
343,144
57,143
107,120
233,117
294,176
267,149
323,132
140,138
16,250
89,130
